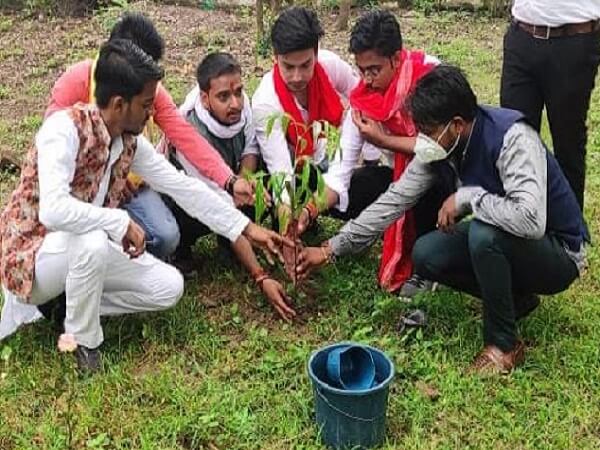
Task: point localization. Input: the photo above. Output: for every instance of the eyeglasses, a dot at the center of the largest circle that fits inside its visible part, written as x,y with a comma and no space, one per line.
372,71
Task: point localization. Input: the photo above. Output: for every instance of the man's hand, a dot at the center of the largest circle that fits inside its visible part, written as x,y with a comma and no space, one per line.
134,241
370,130
310,258
308,215
243,192
273,290
303,221
268,240
447,214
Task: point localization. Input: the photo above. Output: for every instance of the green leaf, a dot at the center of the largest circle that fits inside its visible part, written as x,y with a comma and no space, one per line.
270,123
305,174
6,353
285,122
284,220
259,202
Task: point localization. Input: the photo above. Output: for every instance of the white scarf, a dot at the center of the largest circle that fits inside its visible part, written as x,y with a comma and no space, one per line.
193,102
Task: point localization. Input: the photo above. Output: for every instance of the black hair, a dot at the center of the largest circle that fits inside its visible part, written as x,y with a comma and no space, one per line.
123,69
440,95
213,66
296,28
376,30
141,31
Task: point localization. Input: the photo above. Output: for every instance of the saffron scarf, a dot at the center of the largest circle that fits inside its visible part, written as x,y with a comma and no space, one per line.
323,104
388,108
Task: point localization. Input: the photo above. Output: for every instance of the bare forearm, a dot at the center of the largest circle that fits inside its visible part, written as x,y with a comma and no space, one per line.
245,254
249,164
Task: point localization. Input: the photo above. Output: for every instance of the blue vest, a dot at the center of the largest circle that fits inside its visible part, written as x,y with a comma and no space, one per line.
478,168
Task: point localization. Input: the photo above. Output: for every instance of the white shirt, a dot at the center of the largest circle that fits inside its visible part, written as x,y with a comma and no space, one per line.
554,13
58,144
275,150
352,145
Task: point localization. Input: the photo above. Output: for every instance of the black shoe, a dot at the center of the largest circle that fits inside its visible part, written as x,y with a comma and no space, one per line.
55,311
89,360
416,284
525,305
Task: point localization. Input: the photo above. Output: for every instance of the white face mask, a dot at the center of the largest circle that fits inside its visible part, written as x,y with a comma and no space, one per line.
428,150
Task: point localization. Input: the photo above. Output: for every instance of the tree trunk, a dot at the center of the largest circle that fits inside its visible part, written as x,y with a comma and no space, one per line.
344,16
260,26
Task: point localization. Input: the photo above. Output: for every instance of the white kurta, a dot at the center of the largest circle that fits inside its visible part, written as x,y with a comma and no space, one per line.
82,254
274,148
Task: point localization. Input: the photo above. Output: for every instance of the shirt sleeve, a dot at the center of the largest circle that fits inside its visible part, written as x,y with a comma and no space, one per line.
188,141
57,144
342,76
522,166
346,159
401,196
193,195
72,86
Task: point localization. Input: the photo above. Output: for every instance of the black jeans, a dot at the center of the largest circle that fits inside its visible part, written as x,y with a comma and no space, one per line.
558,73
369,182
498,267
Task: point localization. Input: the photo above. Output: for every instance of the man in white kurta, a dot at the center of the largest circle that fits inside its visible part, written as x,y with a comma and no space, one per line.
93,252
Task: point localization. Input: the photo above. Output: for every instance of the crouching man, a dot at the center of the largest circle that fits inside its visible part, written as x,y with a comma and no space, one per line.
62,231
526,235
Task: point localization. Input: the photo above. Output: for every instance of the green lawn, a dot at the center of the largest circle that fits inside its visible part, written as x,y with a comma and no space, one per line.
220,372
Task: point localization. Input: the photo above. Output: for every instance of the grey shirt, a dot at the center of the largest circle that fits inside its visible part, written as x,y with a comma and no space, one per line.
522,167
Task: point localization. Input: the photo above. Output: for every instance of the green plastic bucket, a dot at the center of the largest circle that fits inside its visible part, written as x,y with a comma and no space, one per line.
350,419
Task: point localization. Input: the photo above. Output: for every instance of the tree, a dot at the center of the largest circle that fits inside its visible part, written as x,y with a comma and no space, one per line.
342,20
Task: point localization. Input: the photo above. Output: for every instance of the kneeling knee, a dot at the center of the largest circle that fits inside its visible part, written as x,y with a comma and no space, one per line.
482,237
172,289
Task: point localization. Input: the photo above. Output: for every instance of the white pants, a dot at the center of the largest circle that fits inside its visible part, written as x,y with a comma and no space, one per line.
98,278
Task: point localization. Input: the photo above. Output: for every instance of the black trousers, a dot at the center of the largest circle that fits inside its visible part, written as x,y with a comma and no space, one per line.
558,73
369,182
498,267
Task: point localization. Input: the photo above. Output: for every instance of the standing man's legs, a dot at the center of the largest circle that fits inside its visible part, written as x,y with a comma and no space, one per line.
521,88
558,73
571,69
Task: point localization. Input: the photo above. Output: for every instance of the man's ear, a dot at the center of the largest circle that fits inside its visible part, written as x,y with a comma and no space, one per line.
397,58
204,100
460,124
118,104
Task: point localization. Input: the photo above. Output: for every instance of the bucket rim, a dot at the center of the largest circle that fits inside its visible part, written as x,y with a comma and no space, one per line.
383,385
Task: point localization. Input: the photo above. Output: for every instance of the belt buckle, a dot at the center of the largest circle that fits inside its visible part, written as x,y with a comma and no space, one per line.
541,36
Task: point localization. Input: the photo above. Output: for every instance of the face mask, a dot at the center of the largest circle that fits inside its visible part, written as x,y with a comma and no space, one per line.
427,150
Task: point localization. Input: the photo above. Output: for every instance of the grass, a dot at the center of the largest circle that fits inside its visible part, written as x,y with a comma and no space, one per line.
218,371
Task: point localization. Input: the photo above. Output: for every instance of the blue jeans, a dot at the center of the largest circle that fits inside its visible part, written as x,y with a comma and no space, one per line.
148,209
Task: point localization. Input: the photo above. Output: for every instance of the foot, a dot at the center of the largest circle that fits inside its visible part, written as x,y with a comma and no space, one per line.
55,311
89,360
525,305
415,285
492,360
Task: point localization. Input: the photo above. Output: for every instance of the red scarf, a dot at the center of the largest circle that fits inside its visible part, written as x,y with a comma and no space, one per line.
388,108
323,104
